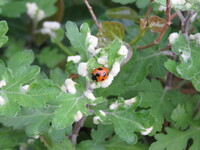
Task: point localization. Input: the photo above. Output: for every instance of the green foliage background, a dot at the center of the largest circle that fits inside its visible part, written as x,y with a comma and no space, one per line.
163,78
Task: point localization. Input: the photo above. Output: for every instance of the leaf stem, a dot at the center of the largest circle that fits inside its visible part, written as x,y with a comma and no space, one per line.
64,48
138,37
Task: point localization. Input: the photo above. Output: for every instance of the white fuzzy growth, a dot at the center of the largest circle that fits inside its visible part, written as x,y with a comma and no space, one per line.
162,8
115,69
2,100
188,5
63,88
107,82
89,95
123,51
92,40
185,55
96,120
24,88
103,60
93,85
30,141
130,101
34,12
102,112
91,49
173,37
196,37
2,83
178,2
75,59
78,116
82,69
148,130
114,105
49,27
70,85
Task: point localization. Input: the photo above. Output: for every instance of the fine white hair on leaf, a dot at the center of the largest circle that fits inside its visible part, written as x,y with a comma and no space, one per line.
89,95
82,69
96,120
2,83
115,68
78,116
130,101
107,82
173,37
2,100
148,130
114,105
70,85
75,59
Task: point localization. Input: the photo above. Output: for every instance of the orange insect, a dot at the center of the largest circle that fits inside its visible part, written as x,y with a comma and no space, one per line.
100,74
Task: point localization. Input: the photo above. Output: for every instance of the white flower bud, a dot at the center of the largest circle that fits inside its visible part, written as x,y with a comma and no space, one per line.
24,88
102,112
185,55
78,116
93,85
162,8
130,101
2,100
89,95
96,120
91,49
2,83
123,51
103,60
82,69
115,69
148,130
40,15
75,59
70,85
114,105
36,137
196,37
107,82
173,37
30,141
49,27
188,5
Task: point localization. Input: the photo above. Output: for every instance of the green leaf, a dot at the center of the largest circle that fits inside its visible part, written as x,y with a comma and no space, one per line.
78,39
142,4
35,121
109,31
171,66
65,144
69,105
3,31
125,123
175,137
122,13
58,76
50,57
123,2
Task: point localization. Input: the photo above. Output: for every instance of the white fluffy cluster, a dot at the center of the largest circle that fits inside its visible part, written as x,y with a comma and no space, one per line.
123,51
75,59
78,116
130,101
92,43
2,100
185,55
34,12
103,60
114,105
178,2
89,95
96,120
148,130
173,37
69,86
102,113
107,82
49,28
2,83
162,8
196,37
24,88
82,69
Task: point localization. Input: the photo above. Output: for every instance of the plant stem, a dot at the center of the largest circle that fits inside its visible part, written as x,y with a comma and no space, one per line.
64,48
76,130
138,37
92,14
